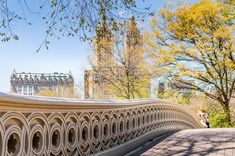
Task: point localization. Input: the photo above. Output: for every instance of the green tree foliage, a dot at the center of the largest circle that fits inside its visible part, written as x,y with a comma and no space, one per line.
230,5
196,42
127,77
69,92
219,120
174,96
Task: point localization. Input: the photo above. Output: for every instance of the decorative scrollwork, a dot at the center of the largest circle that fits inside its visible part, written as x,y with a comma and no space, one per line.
81,129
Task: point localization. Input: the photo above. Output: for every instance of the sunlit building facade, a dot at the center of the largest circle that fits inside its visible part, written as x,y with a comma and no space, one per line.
33,83
104,59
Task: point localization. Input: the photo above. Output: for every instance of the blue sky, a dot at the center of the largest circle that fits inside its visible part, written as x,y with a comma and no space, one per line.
63,55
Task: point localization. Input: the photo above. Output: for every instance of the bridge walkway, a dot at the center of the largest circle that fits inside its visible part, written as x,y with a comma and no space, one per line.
196,142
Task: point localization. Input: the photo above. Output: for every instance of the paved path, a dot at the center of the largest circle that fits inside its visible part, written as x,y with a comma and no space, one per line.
203,142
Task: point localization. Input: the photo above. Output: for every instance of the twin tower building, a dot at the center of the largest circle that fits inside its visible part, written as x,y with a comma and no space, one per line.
110,64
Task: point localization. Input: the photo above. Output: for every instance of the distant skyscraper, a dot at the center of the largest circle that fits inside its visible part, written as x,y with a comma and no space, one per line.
133,44
33,83
95,82
103,46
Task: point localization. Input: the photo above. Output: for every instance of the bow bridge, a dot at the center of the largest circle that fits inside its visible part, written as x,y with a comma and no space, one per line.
57,126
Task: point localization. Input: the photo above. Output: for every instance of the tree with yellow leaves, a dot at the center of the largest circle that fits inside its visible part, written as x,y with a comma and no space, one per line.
119,69
59,92
230,6
196,42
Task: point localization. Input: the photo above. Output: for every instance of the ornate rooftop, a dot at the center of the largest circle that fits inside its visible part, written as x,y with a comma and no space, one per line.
56,76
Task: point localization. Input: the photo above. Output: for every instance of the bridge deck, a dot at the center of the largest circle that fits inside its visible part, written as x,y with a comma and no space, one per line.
196,142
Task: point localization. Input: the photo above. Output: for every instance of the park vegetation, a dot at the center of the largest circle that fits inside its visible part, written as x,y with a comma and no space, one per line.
63,92
126,76
196,42
185,43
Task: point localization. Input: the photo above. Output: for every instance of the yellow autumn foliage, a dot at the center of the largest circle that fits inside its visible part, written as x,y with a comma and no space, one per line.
197,43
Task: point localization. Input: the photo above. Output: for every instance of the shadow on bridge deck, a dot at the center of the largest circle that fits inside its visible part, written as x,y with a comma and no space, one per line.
193,142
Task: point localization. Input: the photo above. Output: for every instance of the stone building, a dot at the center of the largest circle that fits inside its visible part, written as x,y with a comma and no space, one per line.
95,85
33,83
133,44
181,88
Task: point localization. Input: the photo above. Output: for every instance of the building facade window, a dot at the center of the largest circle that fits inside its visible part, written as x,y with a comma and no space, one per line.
38,82
19,89
30,90
25,92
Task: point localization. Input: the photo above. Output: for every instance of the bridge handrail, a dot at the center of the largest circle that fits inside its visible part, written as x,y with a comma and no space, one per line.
31,125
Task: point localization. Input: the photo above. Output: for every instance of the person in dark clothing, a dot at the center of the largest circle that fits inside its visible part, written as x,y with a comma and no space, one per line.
208,123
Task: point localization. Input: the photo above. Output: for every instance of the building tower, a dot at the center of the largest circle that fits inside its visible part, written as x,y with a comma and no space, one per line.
134,60
133,44
94,82
103,46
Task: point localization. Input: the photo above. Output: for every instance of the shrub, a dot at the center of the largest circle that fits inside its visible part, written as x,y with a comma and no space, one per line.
218,120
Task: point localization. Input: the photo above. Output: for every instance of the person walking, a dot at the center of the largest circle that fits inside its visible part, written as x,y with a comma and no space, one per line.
208,123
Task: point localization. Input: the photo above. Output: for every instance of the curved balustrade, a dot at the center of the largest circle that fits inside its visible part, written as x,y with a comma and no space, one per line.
50,126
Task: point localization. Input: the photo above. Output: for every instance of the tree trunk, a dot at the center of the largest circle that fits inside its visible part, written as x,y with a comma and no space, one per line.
227,113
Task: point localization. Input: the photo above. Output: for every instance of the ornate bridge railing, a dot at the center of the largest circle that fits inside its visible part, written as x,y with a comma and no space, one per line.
50,126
